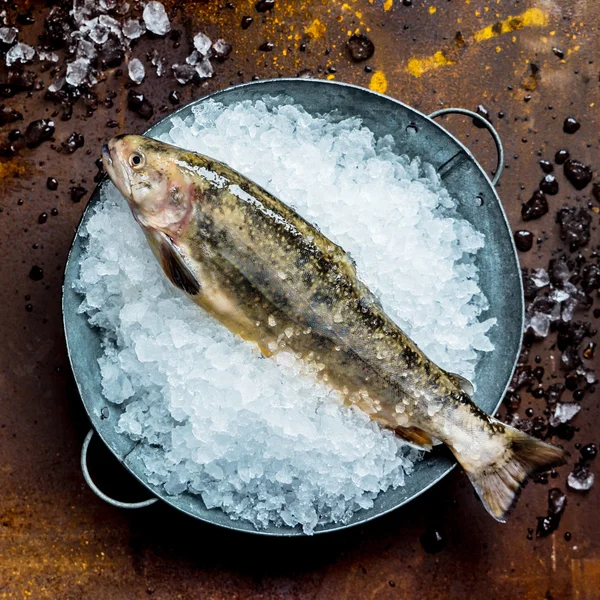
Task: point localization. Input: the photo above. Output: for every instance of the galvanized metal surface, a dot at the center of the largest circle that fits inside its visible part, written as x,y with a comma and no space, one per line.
57,540
414,134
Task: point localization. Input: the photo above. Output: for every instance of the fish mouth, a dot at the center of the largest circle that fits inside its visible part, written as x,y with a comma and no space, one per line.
116,171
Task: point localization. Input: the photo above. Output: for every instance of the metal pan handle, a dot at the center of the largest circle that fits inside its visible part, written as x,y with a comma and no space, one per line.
96,489
487,125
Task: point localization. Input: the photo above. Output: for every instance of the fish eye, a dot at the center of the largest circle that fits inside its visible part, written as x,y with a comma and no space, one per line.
136,160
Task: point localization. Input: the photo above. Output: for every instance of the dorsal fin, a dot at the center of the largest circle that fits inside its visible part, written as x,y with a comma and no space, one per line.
464,384
175,267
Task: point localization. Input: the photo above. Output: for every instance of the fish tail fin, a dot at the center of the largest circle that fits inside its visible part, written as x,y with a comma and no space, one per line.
499,481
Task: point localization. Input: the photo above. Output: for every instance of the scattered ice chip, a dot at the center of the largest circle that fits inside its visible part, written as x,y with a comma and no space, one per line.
97,31
77,71
568,309
540,277
19,53
107,5
204,68
263,439
193,58
83,11
8,34
156,19
158,63
111,23
580,479
48,56
221,49
564,412
539,324
86,50
133,29
57,84
183,73
136,70
202,43
559,296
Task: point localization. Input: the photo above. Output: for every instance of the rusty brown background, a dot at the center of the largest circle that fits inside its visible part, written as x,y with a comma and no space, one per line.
58,540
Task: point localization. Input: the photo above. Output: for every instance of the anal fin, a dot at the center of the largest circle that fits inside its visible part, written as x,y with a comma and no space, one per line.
415,437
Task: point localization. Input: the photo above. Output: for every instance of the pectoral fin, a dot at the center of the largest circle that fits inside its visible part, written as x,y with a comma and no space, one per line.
464,384
175,267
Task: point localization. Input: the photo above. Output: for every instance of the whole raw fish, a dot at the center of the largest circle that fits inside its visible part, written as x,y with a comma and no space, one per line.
274,279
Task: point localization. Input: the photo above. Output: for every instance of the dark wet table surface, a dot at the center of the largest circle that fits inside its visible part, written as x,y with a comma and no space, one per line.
531,65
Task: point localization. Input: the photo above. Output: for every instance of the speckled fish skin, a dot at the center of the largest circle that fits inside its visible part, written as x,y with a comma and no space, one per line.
275,280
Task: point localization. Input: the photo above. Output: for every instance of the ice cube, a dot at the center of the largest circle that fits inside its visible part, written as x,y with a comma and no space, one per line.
157,62
48,56
8,34
219,356
580,479
77,71
97,31
107,5
183,73
564,412
204,68
556,501
568,309
214,470
193,58
221,49
249,390
156,19
136,69
540,277
559,295
57,84
111,23
133,29
202,43
86,50
20,52
83,10
539,324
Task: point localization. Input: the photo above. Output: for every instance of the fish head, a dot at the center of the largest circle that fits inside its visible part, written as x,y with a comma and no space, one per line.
147,173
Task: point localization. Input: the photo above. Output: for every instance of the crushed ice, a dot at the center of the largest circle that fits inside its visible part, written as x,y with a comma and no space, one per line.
564,412
156,19
253,437
202,43
136,70
19,53
98,40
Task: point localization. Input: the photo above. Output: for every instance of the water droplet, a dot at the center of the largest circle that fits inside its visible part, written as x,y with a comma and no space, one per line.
571,125
36,273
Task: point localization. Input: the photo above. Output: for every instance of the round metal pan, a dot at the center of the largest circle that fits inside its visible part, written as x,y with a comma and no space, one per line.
415,134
